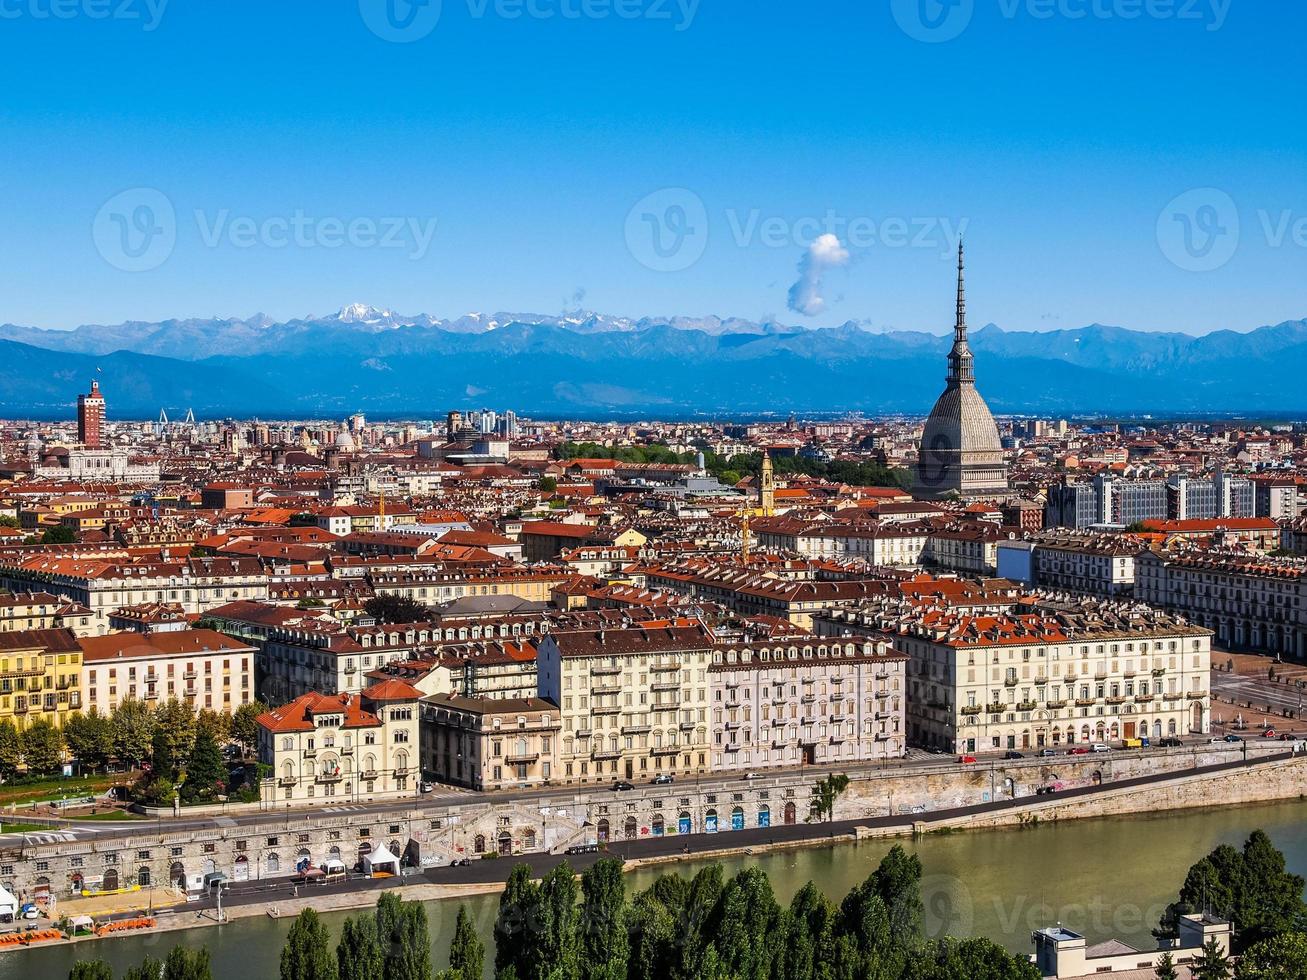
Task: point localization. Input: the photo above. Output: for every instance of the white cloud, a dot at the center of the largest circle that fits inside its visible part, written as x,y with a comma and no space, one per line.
826,252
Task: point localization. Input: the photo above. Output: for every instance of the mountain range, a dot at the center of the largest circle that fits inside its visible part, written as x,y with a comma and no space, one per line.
593,365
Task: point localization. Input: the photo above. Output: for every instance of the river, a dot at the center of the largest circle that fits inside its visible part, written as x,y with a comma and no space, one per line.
1106,878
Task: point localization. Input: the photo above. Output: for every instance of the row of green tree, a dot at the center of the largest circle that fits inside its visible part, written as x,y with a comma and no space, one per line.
180,747
731,469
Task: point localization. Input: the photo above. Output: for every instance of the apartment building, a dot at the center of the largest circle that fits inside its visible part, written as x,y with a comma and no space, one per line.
41,611
1250,602
806,700
103,584
634,701
489,743
40,676
1077,673
202,667
342,746
1095,564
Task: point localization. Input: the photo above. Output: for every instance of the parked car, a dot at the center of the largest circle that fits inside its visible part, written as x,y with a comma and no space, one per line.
621,786
1047,753
1288,737
966,759
1013,755
1078,750
752,775
662,779
1232,737
1045,790
582,849
425,787
29,911
1169,743
1100,747
1269,733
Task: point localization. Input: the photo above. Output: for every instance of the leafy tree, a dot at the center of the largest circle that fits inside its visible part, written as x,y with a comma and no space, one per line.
1251,888
467,953
11,749
1282,957
898,883
548,484
967,959
174,734
1165,969
392,608
557,945
216,723
245,726
187,964
150,969
825,792
729,477
405,944
307,952
89,738
748,926
654,936
132,724
604,943
696,914
810,939
91,970
518,903
9,520
59,535
358,954
1212,964
205,773
43,747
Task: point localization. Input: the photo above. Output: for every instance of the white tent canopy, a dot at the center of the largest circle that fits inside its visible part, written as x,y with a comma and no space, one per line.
378,859
8,902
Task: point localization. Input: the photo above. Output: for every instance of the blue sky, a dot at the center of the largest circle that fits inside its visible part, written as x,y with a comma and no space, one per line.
1099,154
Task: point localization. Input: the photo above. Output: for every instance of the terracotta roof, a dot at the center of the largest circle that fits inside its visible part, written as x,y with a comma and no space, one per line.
298,715
392,690
166,644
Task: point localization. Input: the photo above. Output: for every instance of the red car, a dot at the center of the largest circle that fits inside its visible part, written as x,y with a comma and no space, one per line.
966,759
1269,733
1078,750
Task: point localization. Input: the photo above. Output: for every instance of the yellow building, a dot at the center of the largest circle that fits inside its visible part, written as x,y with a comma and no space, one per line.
40,676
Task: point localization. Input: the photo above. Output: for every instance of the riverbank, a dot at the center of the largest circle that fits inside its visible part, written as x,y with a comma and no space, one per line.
1211,787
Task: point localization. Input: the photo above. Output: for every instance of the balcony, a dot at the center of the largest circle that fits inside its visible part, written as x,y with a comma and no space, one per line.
1196,695
189,675
675,686
606,754
635,729
584,732
686,726
1159,671
808,698
1055,704
1116,699
1010,682
524,757
669,706
665,750
970,709
1173,696
665,668
1041,679
608,689
606,670
151,695
1026,706
1143,698
310,753
286,781
996,707
330,777
607,709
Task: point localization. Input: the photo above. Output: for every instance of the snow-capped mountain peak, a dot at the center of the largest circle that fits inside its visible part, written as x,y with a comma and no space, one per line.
362,313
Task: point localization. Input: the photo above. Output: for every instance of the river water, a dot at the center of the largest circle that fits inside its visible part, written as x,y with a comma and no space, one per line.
1106,878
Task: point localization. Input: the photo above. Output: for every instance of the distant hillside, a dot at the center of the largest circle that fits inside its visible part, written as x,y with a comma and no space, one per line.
374,360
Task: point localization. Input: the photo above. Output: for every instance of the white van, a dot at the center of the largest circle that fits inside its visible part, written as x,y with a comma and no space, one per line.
1100,747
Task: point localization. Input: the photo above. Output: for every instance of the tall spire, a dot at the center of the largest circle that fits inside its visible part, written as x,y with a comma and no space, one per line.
960,363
